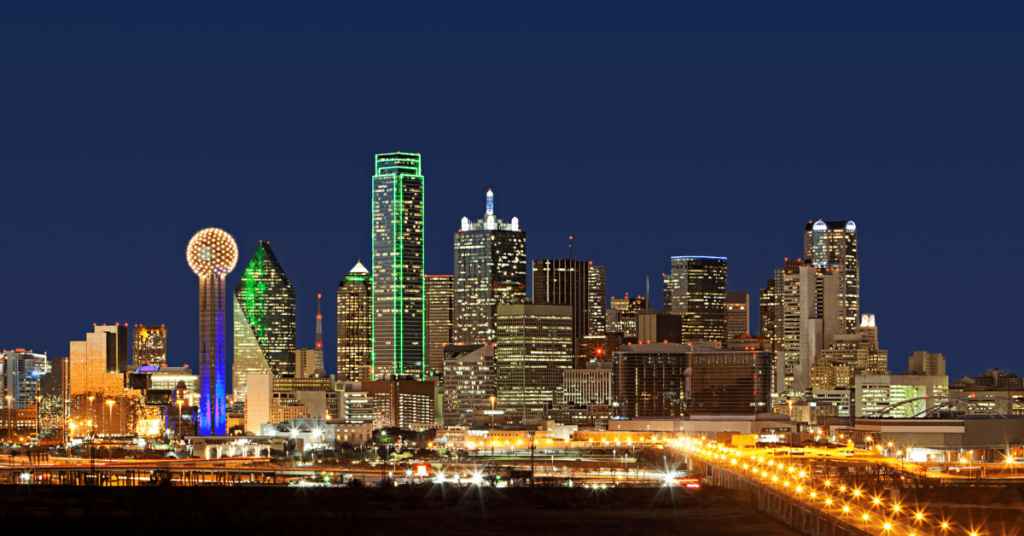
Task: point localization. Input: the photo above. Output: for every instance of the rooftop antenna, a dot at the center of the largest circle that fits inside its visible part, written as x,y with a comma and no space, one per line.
570,247
647,297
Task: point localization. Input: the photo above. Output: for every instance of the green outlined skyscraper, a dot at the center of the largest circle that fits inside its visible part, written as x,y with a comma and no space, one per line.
397,265
264,321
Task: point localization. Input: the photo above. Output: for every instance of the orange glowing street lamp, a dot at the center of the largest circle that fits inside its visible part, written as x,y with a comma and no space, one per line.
179,403
110,415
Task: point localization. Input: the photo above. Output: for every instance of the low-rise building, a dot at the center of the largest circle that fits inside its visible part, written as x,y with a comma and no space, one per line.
913,393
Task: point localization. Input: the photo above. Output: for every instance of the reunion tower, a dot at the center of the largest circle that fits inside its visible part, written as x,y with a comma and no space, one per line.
212,255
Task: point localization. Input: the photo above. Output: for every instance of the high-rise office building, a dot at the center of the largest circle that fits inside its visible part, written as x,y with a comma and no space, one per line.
94,364
149,345
355,326
490,270
21,373
800,323
596,301
833,245
212,255
659,326
533,349
767,303
808,319
621,317
696,289
468,382
564,282
264,315
397,265
737,314
305,362
439,315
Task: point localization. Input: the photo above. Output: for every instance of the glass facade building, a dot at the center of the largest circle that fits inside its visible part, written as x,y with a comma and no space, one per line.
94,363
490,270
22,373
397,220
439,316
651,380
355,326
727,382
264,321
149,345
696,289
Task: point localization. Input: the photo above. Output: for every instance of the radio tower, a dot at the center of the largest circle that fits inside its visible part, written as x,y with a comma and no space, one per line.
318,355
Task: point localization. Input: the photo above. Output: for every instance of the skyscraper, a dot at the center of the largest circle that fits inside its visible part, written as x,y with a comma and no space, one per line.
564,282
21,373
737,314
149,345
807,320
397,265
767,303
833,245
621,317
490,270
534,347
696,290
212,255
468,382
264,314
355,326
94,364
305,362
596,302
438,316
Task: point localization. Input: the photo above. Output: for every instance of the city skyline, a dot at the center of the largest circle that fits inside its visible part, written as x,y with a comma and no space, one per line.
674,267
868,135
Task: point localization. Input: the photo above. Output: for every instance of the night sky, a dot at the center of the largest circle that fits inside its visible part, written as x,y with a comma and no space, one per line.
643,130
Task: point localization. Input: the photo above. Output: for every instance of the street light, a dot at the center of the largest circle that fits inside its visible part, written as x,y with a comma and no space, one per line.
179,403
91,398
110,416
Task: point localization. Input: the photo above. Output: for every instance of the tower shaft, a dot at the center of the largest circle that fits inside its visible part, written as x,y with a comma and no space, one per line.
212,411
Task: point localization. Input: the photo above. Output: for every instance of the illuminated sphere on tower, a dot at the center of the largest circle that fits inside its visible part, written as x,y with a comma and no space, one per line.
212,254
212,251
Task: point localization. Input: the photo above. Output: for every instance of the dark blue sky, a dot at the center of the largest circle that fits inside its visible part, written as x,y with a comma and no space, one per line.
643,131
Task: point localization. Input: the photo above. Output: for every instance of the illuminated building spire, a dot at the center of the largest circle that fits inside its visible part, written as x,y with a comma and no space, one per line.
490,202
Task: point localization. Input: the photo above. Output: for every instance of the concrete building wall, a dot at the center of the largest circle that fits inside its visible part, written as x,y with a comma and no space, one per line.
258,401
